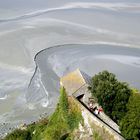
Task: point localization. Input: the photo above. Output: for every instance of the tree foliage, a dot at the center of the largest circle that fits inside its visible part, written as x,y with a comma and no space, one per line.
120,102
130,123
58,125
64,120
112,95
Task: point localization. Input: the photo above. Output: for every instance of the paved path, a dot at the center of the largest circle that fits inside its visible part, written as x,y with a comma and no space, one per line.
103,117
109,121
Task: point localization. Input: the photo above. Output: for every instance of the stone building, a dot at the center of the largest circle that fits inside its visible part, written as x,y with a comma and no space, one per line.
76,83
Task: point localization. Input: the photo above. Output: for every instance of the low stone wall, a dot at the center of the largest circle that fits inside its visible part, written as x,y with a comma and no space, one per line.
96,121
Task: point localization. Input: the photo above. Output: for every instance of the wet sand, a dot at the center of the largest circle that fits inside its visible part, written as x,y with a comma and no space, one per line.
107,32
59,60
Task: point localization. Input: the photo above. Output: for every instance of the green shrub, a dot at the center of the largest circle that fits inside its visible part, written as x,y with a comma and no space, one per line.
74,116
112,95
64,120
130,123
18,135
120,102
60,125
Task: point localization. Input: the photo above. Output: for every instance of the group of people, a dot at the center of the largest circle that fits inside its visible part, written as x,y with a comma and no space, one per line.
96,110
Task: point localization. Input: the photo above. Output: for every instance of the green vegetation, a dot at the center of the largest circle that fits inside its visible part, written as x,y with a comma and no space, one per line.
18,135
130,123
96,136
59,126
112,95
65,119
119,102
30,132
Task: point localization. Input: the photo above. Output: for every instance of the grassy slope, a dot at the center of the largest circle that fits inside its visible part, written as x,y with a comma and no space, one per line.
60,125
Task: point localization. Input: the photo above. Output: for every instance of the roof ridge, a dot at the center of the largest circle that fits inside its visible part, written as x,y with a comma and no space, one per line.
80,72
85,76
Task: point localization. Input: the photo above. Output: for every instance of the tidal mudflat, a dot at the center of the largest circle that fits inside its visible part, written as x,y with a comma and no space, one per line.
107,35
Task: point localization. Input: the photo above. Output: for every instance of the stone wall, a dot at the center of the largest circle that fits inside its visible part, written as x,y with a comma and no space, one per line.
93,120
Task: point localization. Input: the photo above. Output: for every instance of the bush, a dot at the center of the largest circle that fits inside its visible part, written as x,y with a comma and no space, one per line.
112,95
130,123
74,116
60,125
64,120
18,135
119,102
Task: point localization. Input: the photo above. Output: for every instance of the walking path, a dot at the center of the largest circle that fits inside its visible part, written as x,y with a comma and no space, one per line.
84,100
109,121
103,117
